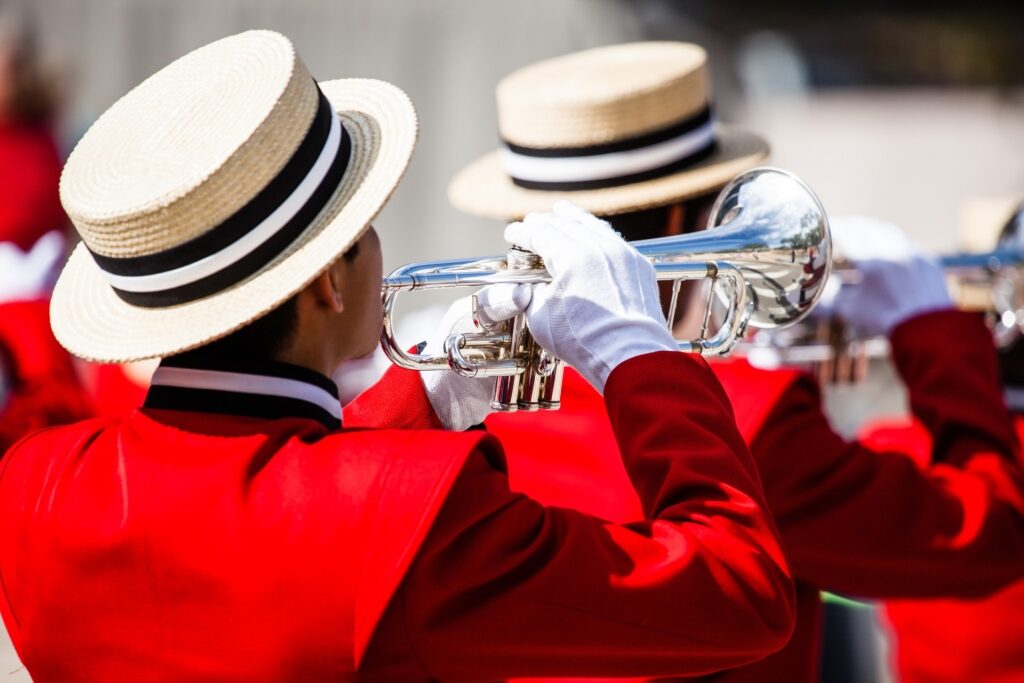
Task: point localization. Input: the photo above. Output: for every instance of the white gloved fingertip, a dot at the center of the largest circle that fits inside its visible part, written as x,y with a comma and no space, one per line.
501,302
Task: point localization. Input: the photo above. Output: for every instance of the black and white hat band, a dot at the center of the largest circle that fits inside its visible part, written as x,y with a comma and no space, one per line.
248,239
632,160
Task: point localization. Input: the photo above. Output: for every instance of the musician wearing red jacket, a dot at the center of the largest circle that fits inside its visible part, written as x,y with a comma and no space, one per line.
951,640
944,640
862,521
232,529
38,384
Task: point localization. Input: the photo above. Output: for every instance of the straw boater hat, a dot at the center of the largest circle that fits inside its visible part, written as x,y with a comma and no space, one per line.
216,190
614,129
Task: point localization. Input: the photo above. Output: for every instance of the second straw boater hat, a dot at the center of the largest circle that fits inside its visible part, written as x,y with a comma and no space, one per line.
216,190
615,129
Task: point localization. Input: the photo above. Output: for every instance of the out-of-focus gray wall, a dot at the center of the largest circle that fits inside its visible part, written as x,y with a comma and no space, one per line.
914,157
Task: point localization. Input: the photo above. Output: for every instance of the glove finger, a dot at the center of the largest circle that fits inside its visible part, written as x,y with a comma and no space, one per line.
538,315
501,302
544,235
596,227
848,303
566,209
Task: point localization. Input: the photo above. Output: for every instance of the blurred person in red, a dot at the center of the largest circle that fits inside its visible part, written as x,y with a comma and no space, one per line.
642,150
40,384
234,529
947,640
29,160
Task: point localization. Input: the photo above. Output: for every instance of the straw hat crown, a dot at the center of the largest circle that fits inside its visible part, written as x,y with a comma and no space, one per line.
602,95
189,146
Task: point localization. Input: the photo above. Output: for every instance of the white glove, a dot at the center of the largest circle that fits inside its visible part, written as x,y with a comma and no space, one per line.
461,402
602,306
897,280
32,274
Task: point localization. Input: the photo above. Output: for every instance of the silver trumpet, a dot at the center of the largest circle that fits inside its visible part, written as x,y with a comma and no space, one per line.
990,282
767,253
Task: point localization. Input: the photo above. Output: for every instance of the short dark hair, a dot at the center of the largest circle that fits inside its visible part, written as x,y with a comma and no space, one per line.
259,341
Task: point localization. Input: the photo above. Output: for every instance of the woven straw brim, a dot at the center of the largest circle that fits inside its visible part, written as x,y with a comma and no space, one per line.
484,189
92,322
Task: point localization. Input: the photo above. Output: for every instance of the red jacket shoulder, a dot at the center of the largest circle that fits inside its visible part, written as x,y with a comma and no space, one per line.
756,392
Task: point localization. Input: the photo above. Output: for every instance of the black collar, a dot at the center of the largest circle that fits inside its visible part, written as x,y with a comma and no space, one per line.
266,390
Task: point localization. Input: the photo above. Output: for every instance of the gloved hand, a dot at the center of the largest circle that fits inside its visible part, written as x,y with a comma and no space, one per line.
461,402
602,306
897,280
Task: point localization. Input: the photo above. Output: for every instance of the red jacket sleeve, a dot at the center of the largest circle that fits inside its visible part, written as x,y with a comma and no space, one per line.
505,587
872,522
44,389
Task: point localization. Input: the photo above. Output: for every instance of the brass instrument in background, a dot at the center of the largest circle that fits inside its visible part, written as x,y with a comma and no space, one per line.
991,283
767,253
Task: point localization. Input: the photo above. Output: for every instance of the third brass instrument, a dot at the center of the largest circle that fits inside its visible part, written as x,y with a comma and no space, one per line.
767,252
990,282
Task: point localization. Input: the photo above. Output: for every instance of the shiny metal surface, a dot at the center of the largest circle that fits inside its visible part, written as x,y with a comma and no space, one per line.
767,253
772,228
990,282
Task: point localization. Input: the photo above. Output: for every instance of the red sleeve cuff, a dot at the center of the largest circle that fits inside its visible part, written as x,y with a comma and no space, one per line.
941,329
676,366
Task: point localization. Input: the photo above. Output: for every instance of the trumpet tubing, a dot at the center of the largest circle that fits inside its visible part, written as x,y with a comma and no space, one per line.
767,251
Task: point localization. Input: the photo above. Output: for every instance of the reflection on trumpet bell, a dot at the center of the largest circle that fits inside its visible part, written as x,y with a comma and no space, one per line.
767,253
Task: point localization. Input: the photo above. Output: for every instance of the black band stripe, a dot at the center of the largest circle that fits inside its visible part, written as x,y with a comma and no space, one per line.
646,140
243,221
701,119
257,258
600,183
261,406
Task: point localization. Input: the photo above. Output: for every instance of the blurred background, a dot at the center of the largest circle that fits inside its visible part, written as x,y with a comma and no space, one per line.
905,111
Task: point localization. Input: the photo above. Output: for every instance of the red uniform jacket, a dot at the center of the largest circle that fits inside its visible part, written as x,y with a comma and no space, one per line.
853,519
947,640
230,531
42,388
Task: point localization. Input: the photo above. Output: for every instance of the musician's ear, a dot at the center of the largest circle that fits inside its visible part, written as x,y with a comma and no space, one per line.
326,289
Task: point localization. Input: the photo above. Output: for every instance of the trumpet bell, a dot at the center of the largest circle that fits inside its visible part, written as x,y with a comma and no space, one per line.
770,225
